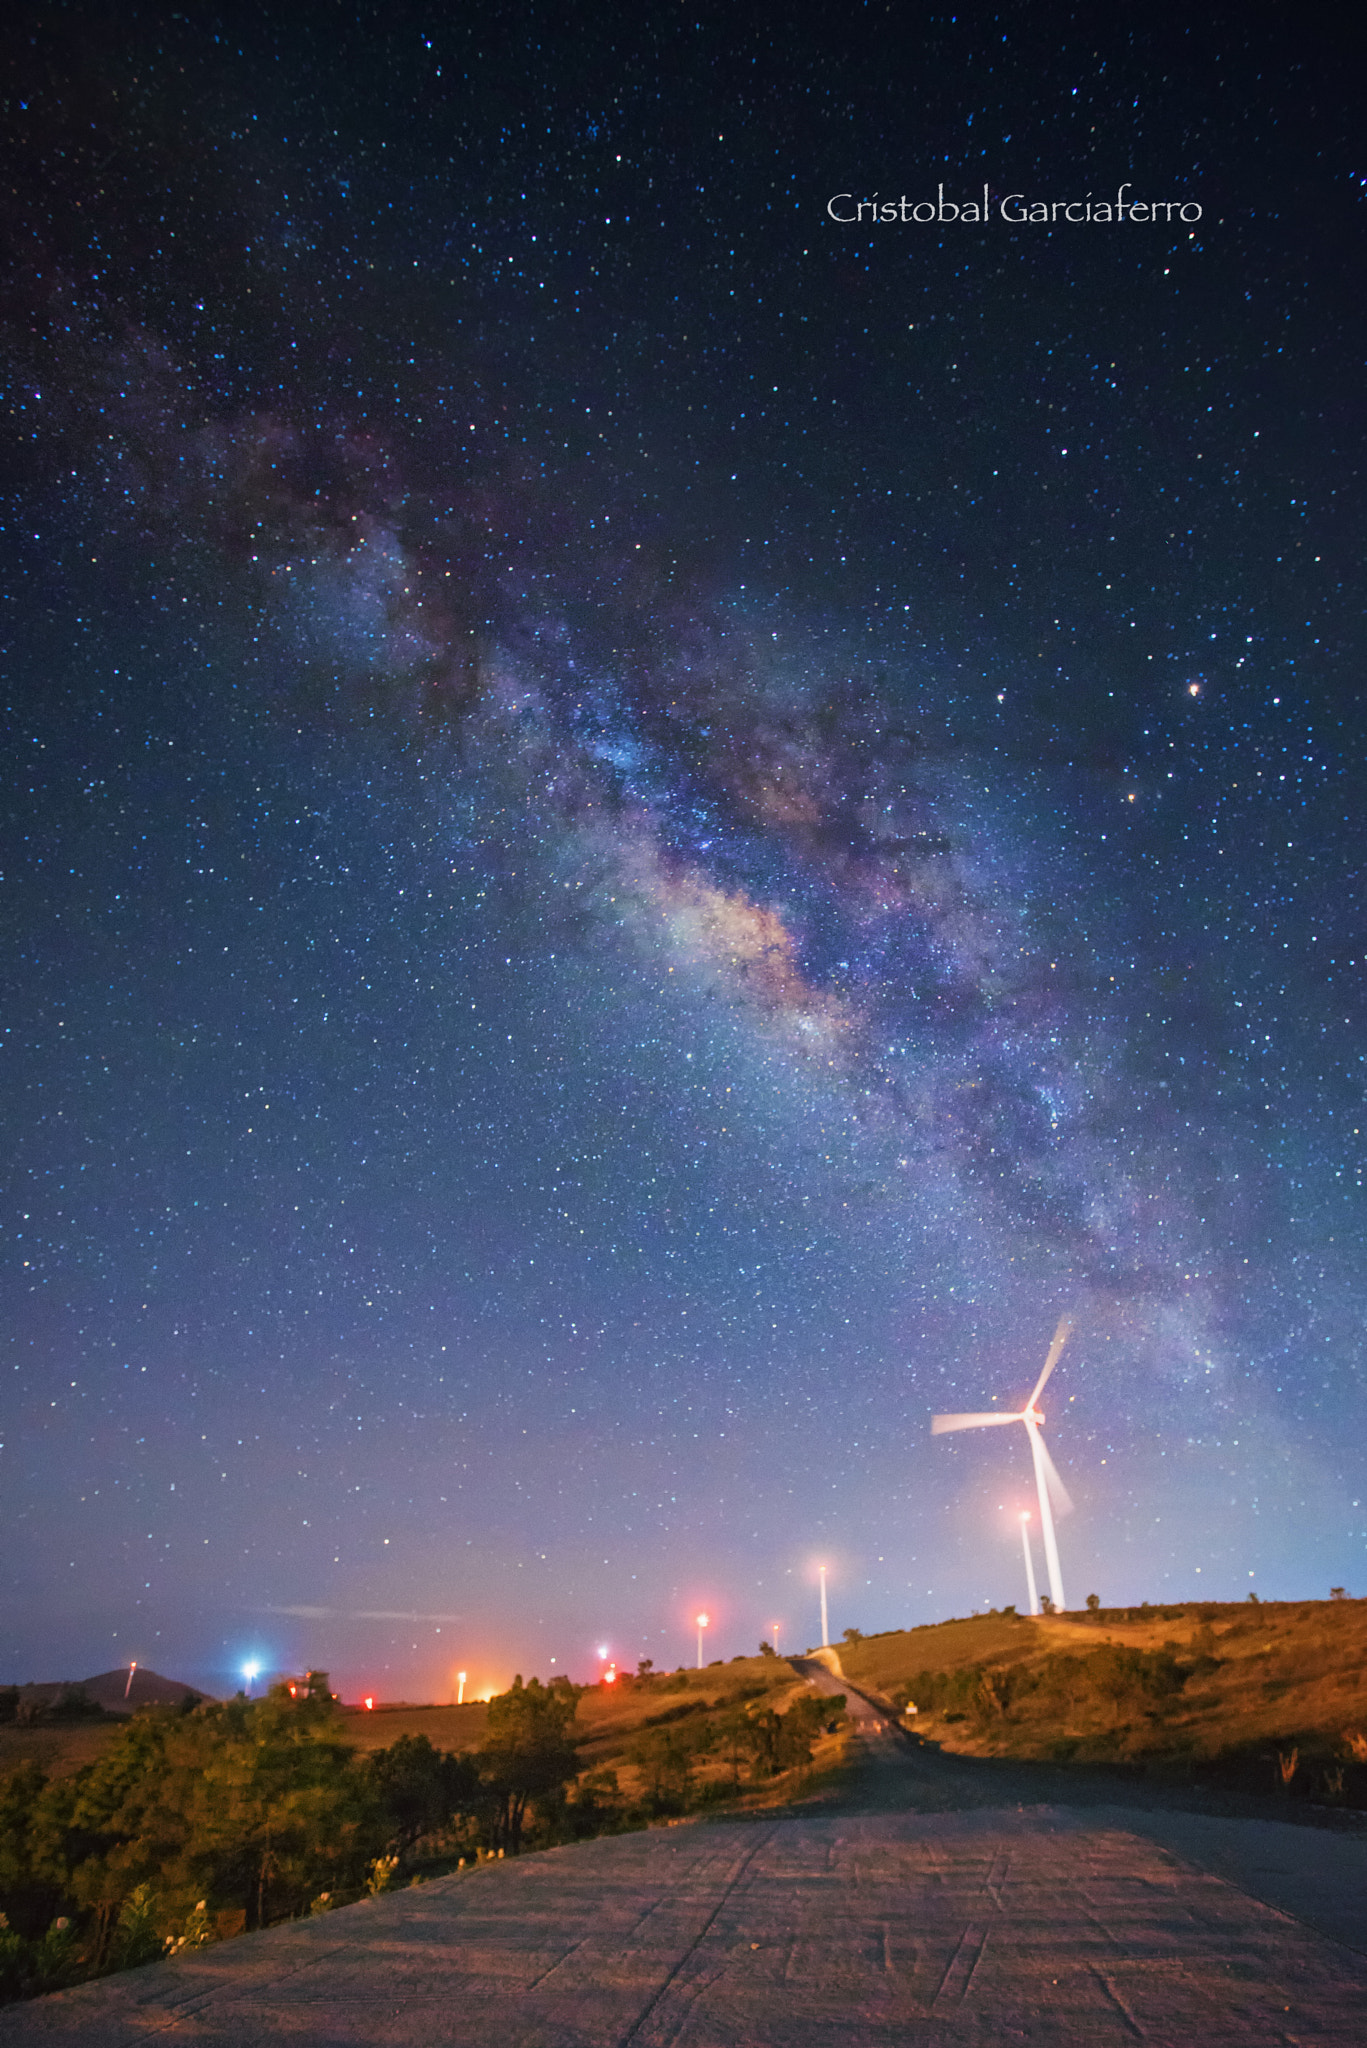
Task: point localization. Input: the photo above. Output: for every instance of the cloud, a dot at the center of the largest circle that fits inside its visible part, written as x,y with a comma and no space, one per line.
356,1614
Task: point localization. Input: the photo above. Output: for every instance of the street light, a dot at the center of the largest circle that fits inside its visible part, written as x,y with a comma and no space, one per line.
1029,1561
825,1629
702,1624
460,1688
249,1672
775,1627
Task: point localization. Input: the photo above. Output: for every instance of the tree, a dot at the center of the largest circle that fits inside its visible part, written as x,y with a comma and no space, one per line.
31,1883
1094,1603
254,1804
783,1742
420,1789
527,1752
767,1650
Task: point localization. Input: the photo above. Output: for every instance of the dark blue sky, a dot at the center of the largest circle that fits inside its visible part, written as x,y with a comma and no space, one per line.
642,830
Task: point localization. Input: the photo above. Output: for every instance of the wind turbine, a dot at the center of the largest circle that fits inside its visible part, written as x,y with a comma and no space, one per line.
1046,1476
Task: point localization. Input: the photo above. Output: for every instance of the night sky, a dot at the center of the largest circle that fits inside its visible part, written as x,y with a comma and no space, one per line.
644,829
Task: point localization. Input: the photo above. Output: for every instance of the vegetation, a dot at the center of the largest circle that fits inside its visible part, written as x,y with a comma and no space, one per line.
191,1824
1261,1697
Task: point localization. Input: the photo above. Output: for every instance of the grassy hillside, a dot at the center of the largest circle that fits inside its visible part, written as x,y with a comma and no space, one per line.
1269,1696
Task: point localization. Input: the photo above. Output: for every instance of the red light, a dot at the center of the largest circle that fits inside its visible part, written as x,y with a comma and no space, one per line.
370,1705
610,1675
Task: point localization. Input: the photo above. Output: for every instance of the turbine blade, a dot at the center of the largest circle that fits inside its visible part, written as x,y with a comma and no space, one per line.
940,1425
1057,1490
1061,1335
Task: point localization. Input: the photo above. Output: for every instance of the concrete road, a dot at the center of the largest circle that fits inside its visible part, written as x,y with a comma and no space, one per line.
915,1909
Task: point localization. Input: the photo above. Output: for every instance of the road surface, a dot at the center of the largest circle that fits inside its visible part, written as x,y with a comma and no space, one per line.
933,1901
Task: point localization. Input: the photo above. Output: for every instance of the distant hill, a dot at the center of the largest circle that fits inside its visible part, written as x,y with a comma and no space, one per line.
109,1690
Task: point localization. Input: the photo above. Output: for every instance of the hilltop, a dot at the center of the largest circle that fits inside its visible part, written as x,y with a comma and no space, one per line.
1263,1696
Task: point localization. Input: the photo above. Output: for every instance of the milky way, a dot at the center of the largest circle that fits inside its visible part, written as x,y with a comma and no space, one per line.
645,832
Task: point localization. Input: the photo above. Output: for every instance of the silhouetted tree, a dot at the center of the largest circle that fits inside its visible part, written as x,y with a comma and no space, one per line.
527,1751
420,1789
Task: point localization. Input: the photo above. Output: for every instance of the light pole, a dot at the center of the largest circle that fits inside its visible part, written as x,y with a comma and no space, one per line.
775,1627
1029,1561
249,1672
825,1629
702,1624
460,1688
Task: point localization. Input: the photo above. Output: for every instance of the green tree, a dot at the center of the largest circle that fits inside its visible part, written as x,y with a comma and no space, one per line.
528,1752
253,1804
420,1790
32,1884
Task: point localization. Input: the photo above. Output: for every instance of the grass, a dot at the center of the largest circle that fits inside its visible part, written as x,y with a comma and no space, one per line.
1264,1697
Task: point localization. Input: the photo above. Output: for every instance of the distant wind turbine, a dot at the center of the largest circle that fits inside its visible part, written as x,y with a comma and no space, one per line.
1046,1476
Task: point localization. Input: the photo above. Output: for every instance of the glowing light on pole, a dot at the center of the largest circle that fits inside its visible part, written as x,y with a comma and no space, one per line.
1029,1561
460,1688
131,1669
249,1672
774,1626
825,1626
702,1624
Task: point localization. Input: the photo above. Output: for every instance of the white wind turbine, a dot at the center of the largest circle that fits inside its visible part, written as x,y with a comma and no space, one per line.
1046,1476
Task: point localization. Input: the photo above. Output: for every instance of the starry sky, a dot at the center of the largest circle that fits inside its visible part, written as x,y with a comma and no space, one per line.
644,828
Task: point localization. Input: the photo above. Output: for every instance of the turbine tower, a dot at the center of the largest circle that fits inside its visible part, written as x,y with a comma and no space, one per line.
1047,1480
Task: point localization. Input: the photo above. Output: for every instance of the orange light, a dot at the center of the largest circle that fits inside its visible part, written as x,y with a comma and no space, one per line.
610,1675
702,1621
370,1705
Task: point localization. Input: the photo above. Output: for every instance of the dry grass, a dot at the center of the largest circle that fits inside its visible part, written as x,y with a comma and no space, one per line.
58,1751
1263,1685
444,1727
609,1718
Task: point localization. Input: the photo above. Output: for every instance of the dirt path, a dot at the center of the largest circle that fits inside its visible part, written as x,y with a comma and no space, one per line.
922,1902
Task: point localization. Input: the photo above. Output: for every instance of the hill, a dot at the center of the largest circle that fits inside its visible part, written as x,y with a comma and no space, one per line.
63,1724
1262,1695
